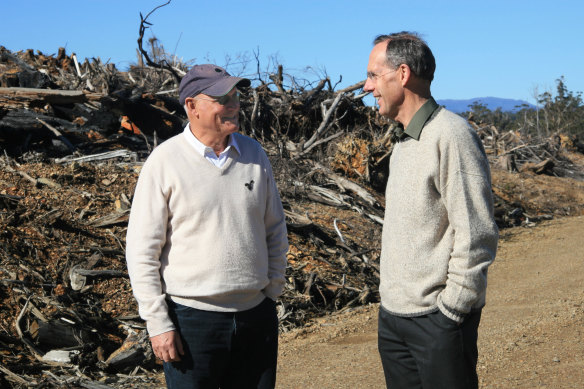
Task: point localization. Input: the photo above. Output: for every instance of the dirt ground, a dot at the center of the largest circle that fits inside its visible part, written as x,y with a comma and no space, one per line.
531,334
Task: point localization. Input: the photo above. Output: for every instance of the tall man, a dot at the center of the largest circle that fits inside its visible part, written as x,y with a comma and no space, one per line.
207,243
439,234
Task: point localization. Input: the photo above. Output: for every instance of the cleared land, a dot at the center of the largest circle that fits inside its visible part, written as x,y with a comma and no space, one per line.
531,334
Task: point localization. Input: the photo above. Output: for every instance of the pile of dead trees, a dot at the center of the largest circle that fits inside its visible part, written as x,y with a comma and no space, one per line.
73,136
514,152
559,155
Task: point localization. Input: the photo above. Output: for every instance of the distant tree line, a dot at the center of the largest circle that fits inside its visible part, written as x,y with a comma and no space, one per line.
559,113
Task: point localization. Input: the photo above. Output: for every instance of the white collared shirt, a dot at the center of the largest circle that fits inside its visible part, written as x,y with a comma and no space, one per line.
208,152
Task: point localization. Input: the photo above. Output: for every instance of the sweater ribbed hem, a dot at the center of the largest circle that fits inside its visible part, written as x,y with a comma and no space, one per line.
421,312
221,304
451,314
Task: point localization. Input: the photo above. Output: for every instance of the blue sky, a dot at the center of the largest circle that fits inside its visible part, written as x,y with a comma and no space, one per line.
508,49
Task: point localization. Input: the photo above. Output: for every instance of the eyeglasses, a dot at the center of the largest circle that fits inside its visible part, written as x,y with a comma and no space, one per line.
373,77
223,100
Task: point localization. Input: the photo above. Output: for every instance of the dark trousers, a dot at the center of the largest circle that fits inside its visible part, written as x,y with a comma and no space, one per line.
225,349
429,352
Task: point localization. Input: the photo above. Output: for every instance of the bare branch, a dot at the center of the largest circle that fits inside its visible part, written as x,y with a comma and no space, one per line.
144,24
324,125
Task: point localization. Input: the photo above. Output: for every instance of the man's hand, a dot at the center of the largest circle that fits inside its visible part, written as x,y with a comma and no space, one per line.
167,346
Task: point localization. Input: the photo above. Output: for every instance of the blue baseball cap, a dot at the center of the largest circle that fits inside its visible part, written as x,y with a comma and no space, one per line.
209,79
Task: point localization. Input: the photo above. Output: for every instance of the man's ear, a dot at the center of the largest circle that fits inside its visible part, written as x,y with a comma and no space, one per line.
405,74
191,107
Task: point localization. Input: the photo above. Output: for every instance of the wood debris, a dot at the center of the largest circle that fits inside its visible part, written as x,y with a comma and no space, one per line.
73,138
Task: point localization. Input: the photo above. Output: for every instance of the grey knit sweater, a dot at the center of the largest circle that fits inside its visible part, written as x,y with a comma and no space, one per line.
439,234
206,237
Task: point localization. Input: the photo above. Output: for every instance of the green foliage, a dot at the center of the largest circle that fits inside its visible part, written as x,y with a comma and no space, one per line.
480,114
562,113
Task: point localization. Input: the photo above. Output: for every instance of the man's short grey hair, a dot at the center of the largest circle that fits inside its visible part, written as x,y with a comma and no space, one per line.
410,49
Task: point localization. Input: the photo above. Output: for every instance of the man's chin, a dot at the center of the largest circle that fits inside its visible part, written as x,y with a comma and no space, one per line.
386,113
230,124
383,112
230,127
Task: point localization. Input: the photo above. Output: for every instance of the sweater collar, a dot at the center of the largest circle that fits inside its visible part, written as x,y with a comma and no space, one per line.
416,125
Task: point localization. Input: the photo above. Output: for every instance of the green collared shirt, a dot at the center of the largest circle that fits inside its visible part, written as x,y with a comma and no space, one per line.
420,118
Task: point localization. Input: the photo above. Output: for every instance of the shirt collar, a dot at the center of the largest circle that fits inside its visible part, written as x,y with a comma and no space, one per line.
202,149
414,128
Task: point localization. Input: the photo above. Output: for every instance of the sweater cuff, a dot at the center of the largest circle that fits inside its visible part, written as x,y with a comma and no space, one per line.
451,313
157,327
274,289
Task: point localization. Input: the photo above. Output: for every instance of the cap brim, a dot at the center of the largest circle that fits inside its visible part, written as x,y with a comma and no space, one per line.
225,85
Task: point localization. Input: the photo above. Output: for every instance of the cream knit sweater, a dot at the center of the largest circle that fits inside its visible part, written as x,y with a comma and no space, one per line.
206,237
439,234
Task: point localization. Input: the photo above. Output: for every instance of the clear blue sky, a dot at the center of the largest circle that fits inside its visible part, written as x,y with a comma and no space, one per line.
482,48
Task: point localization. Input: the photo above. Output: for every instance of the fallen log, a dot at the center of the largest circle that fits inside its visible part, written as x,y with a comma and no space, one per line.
26,120
16,378
114,218
345,184
13,97
58,135
57,334
78,276
133,352
297,221
326,196
544,167
125,154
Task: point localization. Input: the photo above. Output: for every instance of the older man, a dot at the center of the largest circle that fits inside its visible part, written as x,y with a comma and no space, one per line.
439,234
206,245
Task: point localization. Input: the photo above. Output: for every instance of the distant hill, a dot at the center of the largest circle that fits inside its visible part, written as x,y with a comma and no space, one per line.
492,103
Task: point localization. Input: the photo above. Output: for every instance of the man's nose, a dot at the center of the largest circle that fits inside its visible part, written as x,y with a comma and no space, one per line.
368,87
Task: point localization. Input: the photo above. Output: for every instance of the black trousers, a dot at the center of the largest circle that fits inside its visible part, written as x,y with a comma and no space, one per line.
227,350
428,352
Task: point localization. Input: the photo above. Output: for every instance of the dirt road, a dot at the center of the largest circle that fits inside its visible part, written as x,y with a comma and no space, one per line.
531,334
